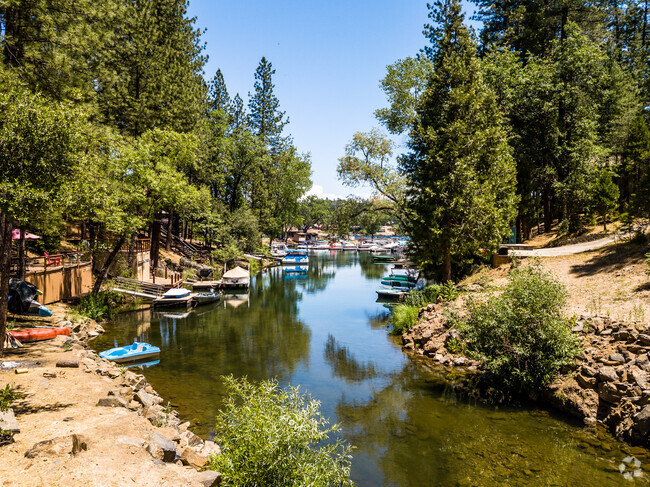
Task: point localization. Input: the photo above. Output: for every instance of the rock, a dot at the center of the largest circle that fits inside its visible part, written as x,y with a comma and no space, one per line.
193,459
153,413
209,478
578,328
54,447
134,405
64,324
170,433
112,402
162,448
79,444
72,364
644,339
588,371
125,440
642,420
586,382
210,448
184,426
146,399
607,391
617,358
639,377
607,374
8,421
460,361
190,439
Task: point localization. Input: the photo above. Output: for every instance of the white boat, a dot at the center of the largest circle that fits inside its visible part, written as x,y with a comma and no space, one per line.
349,246
296,257
206,298
174,298
367,246
278,250
321,245
336,246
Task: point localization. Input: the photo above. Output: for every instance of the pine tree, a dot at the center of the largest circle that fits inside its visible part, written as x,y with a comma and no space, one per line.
460,170
265,118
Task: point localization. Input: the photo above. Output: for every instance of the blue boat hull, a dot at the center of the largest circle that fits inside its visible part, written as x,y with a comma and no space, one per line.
130,353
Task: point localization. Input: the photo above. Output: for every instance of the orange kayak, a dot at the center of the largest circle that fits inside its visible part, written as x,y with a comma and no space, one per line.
37,334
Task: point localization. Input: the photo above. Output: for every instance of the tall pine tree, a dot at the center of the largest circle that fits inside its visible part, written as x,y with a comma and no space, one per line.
460,170
265,117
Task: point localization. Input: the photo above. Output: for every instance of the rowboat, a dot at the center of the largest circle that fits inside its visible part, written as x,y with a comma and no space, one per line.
38,334
206,298
136,351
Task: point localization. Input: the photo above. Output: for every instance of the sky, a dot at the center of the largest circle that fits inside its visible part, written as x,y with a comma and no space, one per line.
329,58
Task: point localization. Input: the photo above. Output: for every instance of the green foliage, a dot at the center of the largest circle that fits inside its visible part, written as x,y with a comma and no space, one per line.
605,195
7,396
99,306
448,292
460,170
522,334
404,318
270,436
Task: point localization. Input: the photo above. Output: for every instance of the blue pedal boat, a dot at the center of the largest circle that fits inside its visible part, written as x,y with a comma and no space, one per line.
136,351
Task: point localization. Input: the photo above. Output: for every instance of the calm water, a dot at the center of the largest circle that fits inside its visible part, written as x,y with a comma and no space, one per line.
325,332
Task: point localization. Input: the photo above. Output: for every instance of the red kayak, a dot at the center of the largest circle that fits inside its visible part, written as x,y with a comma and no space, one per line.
37,334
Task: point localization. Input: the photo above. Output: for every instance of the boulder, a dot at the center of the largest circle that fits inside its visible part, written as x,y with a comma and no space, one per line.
587,371
54,447
644,339
210,448
162,448
617,358
79,444
112,402
190,439
193,459
586,382
209,478
146,399
608,392
607,374
642,420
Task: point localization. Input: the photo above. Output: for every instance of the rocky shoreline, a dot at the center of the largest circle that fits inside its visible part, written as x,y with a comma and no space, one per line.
609,382
151,432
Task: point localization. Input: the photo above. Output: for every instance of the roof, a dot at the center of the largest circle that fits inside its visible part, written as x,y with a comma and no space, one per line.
236,273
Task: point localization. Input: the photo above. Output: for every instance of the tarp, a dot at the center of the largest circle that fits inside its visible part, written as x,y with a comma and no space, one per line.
15,234
236,273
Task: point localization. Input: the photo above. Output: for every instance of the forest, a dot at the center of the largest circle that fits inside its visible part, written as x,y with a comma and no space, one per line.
539,119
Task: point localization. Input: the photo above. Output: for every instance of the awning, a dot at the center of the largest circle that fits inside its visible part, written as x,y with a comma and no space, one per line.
15,234
236,273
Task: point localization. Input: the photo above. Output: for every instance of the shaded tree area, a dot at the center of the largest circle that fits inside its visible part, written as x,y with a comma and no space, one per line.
109,124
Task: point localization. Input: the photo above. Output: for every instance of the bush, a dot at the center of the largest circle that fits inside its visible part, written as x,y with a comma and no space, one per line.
404,318
522,334
99,306
270,436
7,396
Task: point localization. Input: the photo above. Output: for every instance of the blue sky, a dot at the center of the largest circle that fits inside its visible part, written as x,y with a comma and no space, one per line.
329,57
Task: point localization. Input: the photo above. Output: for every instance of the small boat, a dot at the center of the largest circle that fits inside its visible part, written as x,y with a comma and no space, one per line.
349,246
367,246
136,351
336,246
206,298
398,283
391,293
278,250
383,258
174,298
321,245
237,277
38,334
296,257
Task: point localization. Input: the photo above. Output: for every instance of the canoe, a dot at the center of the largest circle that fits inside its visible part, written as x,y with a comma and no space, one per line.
38,334
136,351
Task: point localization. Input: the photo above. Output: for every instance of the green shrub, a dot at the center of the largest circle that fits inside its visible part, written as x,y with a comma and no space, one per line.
99,306
270,436
404,318
448,292
522,334
7,396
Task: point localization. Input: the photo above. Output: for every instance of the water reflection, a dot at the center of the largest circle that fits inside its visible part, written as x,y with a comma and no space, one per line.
344,364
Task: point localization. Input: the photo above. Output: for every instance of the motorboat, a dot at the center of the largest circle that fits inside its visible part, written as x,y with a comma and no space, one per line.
136,351
321,245
174,298
349,246
296,269
383,258
296,257
367,246
278,250
336,246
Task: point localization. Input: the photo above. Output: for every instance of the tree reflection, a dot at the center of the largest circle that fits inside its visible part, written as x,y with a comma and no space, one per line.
417,431
343,363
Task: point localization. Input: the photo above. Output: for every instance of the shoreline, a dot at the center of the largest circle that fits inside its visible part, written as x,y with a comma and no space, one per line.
94,422
609,383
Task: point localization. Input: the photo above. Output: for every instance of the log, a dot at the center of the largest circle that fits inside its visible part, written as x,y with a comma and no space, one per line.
71,364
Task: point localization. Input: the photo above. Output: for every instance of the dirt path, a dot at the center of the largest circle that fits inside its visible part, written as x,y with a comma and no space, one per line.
568,249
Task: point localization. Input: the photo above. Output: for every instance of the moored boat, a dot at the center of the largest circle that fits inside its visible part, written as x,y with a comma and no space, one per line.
174,298
238,277
296,257
206,298
129,353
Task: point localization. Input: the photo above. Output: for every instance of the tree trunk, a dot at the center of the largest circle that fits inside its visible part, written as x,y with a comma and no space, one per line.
21,255
101,277
82,237
155,244
5,267
92,244
548,212
131,255
446,262
168,244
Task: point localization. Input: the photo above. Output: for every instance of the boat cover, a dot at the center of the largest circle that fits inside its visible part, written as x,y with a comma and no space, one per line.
236,273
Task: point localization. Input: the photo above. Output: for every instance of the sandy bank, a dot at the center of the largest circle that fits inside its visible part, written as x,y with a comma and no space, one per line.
124,433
